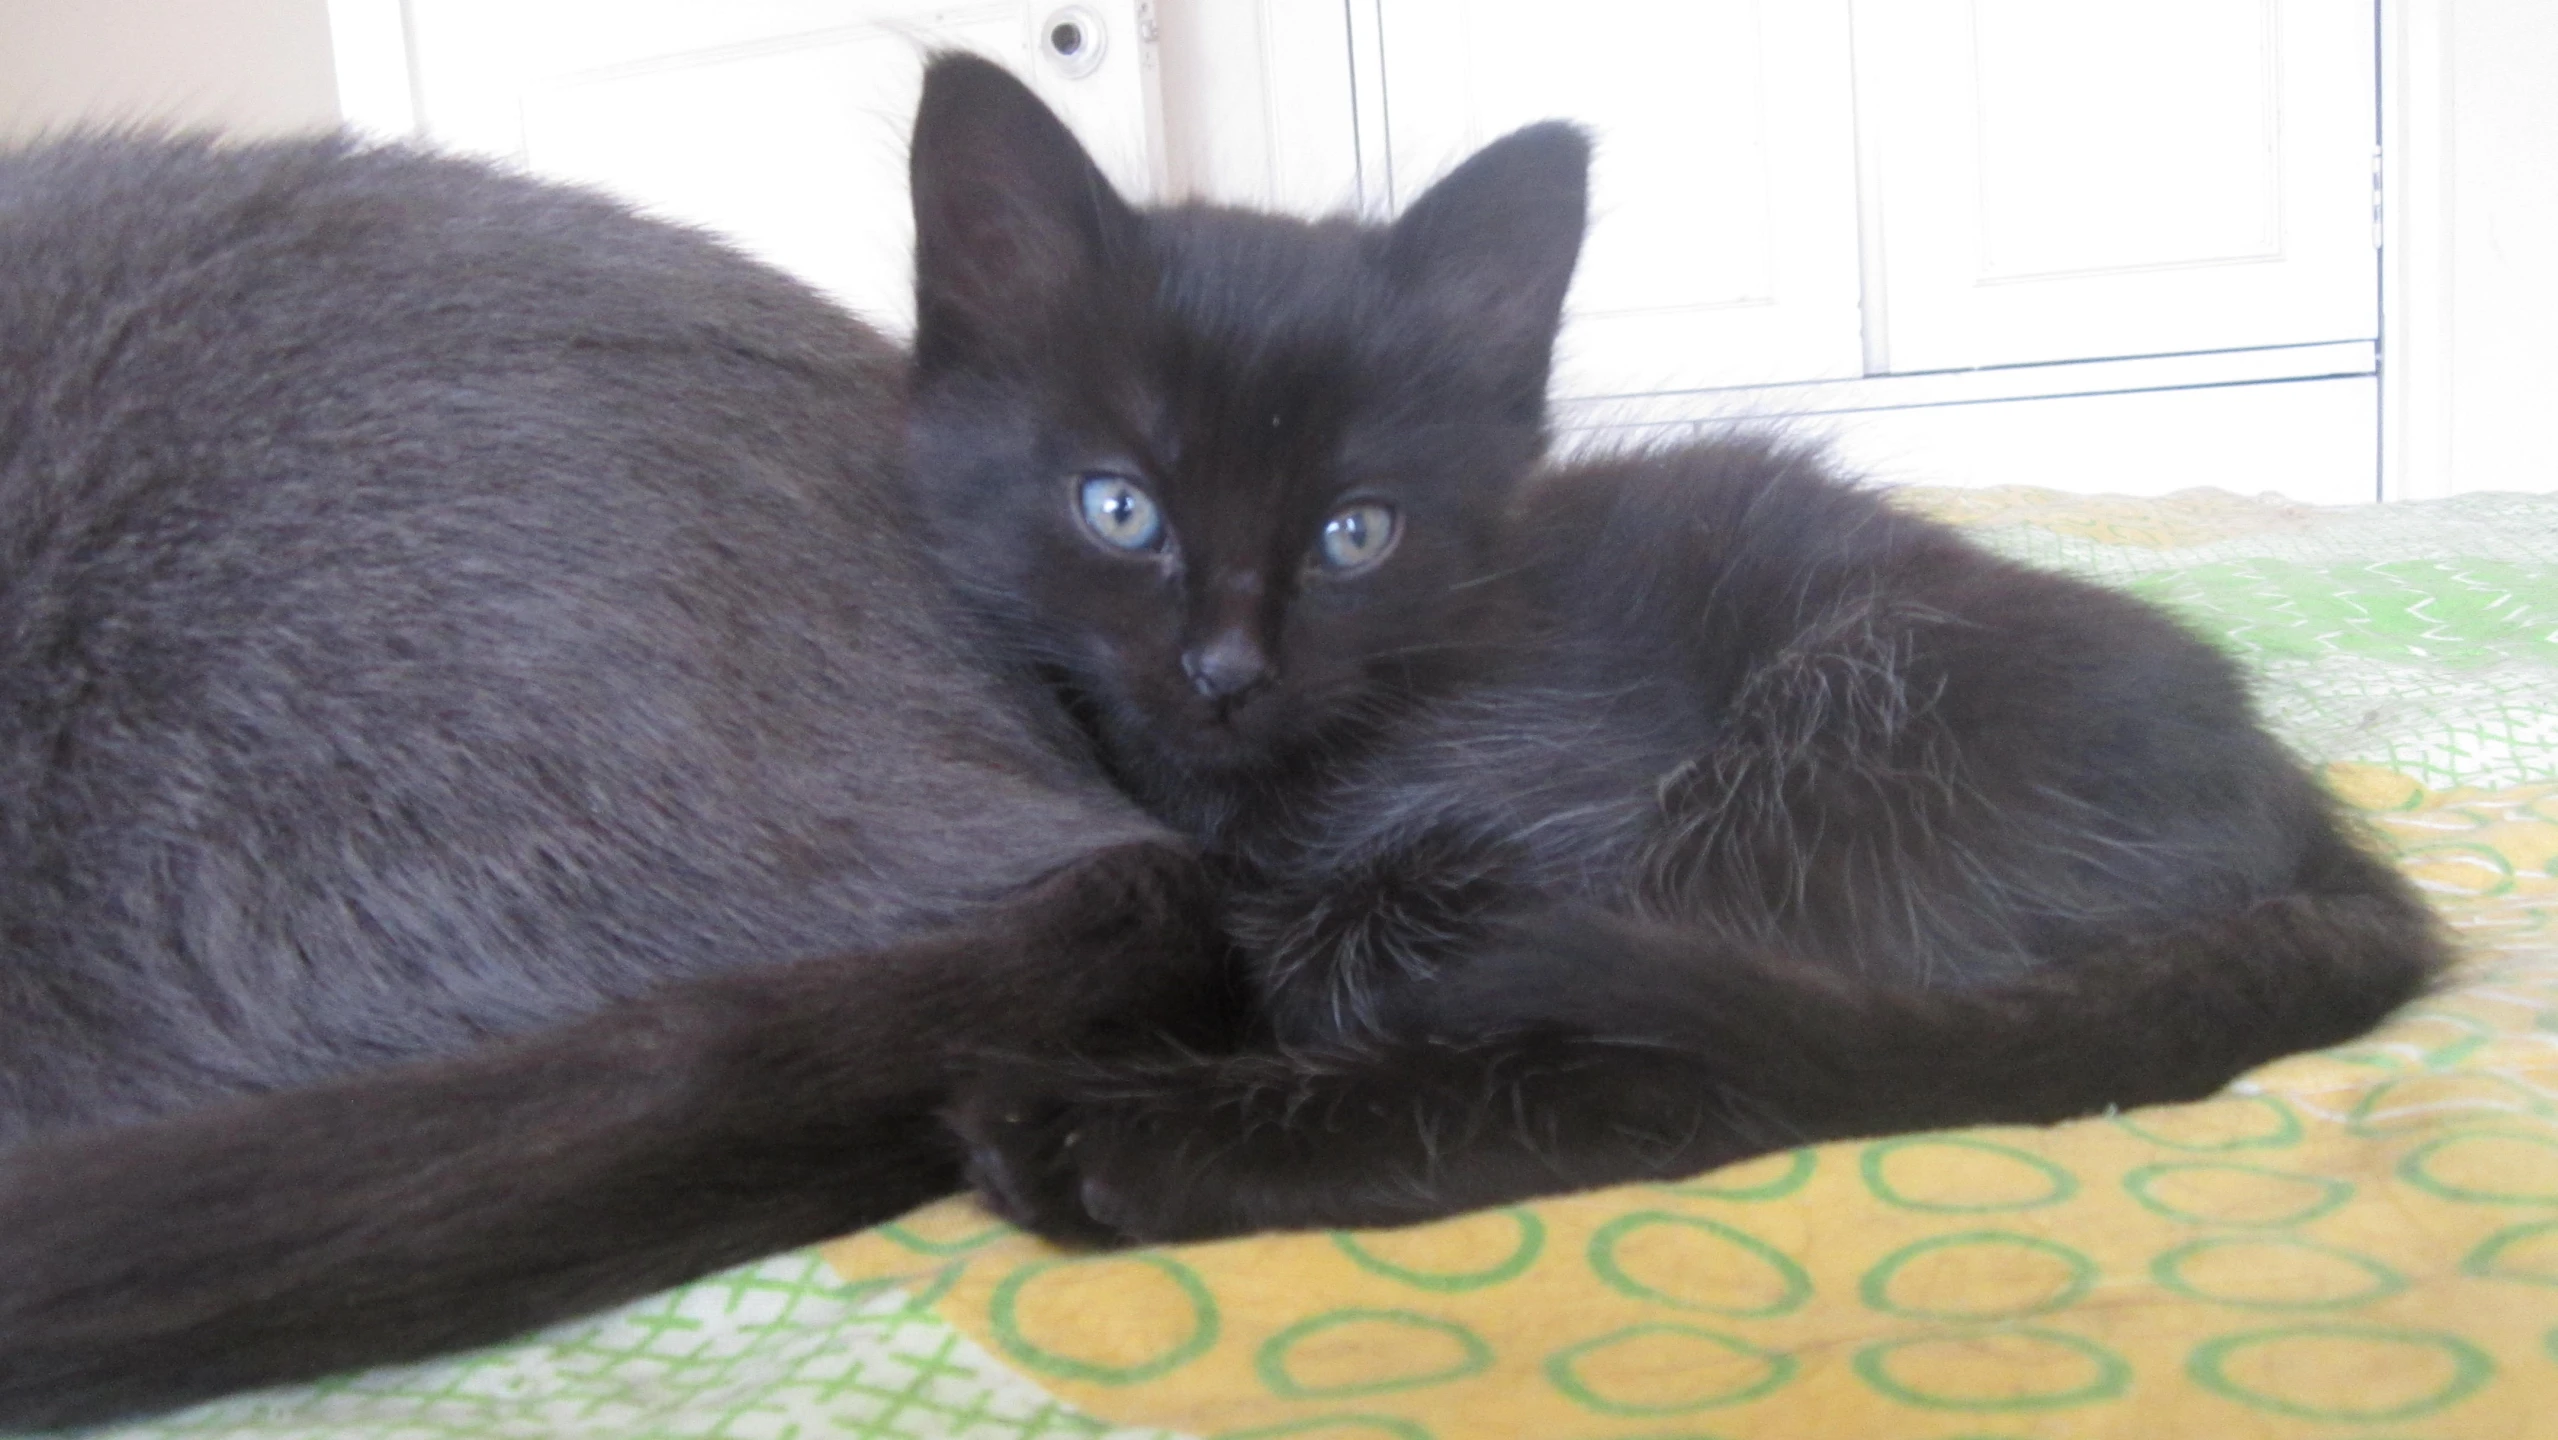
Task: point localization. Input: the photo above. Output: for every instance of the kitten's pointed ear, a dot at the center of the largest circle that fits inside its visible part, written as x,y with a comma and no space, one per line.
1492,245
1010,214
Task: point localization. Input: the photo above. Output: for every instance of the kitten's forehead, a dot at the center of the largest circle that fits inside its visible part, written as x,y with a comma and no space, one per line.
1284,368
1270,305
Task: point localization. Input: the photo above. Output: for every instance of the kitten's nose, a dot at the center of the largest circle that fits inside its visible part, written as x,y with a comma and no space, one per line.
1227,668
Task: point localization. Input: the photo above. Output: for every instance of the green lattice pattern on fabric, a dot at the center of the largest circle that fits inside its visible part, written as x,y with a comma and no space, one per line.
2446,669
2462,615
780,1350
2421,637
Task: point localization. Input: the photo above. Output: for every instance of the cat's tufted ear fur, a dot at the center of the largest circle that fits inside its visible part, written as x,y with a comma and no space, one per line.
1011,216
1495,241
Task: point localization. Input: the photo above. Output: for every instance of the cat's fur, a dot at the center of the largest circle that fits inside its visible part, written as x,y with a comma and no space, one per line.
433,607
1621,821
1618,821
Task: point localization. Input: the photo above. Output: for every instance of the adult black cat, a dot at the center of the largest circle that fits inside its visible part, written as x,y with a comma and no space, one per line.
434,607
475,593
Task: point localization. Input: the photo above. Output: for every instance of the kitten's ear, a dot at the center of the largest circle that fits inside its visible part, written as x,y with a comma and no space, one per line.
1492,245
1010,213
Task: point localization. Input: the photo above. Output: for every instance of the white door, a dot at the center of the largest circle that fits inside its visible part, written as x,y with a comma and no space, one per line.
2095,244
1723,192
2092,244
779,123
2068,181
2118,246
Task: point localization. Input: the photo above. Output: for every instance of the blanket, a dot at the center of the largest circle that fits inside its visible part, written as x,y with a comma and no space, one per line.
2362,1241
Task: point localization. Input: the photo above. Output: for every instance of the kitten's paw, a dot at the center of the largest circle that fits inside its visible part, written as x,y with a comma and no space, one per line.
1081,1172
1021,1162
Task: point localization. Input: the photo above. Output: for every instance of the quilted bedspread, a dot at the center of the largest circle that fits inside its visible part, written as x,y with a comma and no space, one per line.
2361,1242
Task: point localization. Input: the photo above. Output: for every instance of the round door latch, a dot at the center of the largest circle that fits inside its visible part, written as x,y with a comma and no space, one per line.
1073,40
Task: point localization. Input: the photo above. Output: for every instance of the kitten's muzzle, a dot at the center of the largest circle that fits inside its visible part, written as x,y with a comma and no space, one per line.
1227,669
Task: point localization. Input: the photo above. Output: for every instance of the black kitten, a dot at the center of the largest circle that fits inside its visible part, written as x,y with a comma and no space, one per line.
1579,827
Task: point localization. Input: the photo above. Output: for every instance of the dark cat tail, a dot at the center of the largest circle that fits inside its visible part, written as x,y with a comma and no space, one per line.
1784,1053
420,1209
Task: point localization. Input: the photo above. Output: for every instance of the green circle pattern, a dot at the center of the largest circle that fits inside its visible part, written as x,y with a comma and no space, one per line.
2412,1169
2113,1373
2497,864
2168,1270
2366,1119
2451,1054
1474,1356
1798,1171
2331,1193
1796,1286
1562,1370
941,1249
2207,1366
1531,1244
2063,1184
1876,1287
2286,1132
2483,1261
1002,1313
2471,1368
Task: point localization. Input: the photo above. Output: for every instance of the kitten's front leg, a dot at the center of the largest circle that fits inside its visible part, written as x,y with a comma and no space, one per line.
1393,1133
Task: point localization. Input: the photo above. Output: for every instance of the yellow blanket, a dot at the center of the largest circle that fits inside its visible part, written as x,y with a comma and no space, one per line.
2358,1242
2362,1242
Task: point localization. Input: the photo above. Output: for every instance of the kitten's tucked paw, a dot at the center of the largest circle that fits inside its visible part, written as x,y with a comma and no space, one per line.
1020,1150
1077,1172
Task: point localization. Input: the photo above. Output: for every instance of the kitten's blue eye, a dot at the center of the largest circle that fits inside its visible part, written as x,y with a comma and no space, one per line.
1119,514
1355,538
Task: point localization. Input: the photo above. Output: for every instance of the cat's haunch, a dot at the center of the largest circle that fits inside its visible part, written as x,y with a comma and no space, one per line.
538,760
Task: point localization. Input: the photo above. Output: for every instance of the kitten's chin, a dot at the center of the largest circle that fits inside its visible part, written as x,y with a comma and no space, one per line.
1215,750
1195,750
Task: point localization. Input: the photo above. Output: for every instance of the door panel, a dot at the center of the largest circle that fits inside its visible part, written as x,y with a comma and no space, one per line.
2067,181
1723,243
781,124
1844,195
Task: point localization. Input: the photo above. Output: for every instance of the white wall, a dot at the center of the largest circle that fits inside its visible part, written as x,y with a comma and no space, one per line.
2502,326
2470,290
249,66
1254,113
1196,49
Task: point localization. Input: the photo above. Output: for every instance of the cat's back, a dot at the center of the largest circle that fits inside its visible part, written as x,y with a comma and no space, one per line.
433,601
265,291
1787,643
1724,637
1718,564
265,339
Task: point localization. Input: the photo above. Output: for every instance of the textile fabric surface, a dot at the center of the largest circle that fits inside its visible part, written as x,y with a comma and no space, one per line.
2361,1242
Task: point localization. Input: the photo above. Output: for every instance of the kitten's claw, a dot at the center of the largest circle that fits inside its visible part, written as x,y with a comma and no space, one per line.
1021,1163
